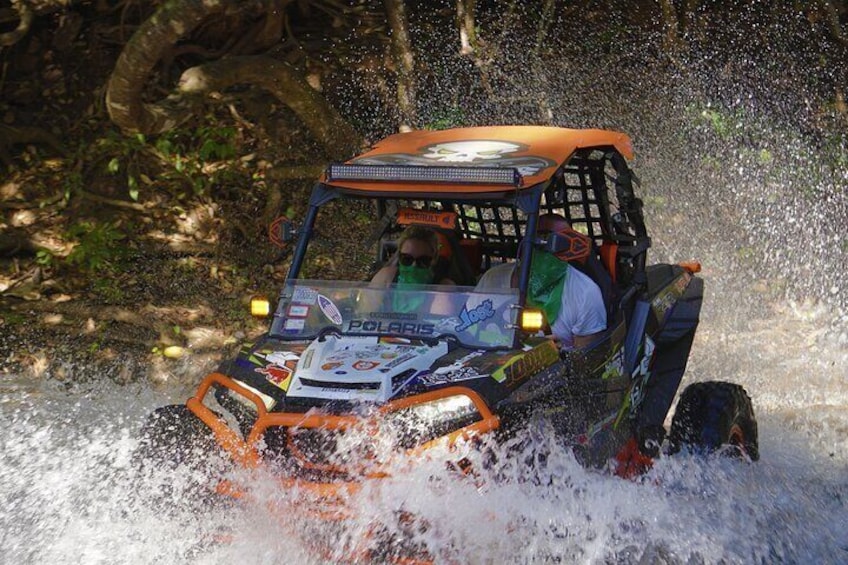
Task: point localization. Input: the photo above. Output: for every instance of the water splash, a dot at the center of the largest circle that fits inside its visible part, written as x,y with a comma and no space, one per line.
72,496
738,170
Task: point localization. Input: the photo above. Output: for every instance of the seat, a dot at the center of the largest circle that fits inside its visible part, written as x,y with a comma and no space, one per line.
453,261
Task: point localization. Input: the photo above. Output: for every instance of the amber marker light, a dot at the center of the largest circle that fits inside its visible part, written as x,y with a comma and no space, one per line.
260,307
532,320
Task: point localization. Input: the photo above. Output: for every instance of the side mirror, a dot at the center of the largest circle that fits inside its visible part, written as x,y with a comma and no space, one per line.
282,231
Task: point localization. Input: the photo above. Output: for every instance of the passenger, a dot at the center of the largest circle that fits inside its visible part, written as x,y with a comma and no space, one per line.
567,296
416,262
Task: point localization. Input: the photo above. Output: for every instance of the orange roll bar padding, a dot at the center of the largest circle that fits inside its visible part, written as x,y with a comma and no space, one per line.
245,452
609,257
691,266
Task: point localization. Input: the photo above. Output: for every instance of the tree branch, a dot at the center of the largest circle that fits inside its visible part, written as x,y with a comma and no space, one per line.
333,131
465,10
26,15
146,47
404,63
833,24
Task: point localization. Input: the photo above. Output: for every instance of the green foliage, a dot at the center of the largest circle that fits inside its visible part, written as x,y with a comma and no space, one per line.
99,246
187,151
71,184
722,124
108,290
449,118
183,152
130,151
44,258
14,319
216,143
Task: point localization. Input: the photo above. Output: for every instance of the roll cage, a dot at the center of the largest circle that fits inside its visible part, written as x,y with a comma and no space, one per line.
593,189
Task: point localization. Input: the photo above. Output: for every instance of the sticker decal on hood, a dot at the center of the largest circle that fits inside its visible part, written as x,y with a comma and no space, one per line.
442,376
281,368
279,376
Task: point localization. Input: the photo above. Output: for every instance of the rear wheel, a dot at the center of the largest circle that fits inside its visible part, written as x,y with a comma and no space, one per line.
714,416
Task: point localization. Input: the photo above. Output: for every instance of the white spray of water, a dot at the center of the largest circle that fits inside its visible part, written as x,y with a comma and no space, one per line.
72,496
727,179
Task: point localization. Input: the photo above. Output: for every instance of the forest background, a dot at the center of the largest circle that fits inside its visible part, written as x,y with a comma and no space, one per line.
146,146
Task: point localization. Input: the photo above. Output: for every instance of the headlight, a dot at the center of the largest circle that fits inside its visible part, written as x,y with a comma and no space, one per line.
420,423
260,307
532,320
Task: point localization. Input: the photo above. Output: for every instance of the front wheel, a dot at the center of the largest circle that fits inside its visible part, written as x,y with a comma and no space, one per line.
713,416
179,449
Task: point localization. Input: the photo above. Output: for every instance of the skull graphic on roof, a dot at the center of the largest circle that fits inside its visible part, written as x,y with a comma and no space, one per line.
469,151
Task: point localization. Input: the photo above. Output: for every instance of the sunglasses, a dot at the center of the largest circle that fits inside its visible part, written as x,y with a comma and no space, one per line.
406,260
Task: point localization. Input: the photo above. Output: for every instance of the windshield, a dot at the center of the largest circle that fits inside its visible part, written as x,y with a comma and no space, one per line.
477,319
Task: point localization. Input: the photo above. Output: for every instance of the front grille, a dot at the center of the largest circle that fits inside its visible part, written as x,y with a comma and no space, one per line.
341,386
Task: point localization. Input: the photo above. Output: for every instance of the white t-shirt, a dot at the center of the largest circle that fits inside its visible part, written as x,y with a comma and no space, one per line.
582,311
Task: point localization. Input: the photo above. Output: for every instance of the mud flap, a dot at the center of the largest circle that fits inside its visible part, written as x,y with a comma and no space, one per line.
635,336
673,345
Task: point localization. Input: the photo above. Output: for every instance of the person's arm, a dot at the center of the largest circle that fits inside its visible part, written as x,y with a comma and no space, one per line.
590,322
581,341
384,277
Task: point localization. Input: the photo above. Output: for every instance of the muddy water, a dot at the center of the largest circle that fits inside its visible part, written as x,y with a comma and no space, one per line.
69,493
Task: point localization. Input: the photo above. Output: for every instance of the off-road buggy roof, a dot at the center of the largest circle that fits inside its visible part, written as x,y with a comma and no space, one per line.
494,182
535,153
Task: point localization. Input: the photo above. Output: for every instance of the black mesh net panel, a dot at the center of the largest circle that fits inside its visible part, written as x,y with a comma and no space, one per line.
583,191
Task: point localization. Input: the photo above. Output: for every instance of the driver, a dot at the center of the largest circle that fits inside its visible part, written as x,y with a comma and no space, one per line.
566,295
416,262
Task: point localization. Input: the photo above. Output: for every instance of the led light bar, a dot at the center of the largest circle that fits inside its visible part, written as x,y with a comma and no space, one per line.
508,176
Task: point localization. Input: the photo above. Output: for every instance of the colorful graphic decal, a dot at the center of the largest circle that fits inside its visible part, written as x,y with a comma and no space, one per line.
365,365
281,368
667,298
614,367
477,314
298,311
400,360
522,366
330,309
475,153
305,295
294,324
444,220
639,379
395,340
442,376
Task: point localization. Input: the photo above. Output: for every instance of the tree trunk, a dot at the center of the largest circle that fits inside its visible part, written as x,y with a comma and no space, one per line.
158,34
26,15
832,13
404,63
465,10
338,136
148,44
671,39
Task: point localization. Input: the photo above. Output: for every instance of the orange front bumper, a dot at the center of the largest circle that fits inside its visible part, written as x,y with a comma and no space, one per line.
244,451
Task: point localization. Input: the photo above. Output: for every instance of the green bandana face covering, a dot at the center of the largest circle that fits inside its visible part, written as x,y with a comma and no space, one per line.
547,276
414,275
409,278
